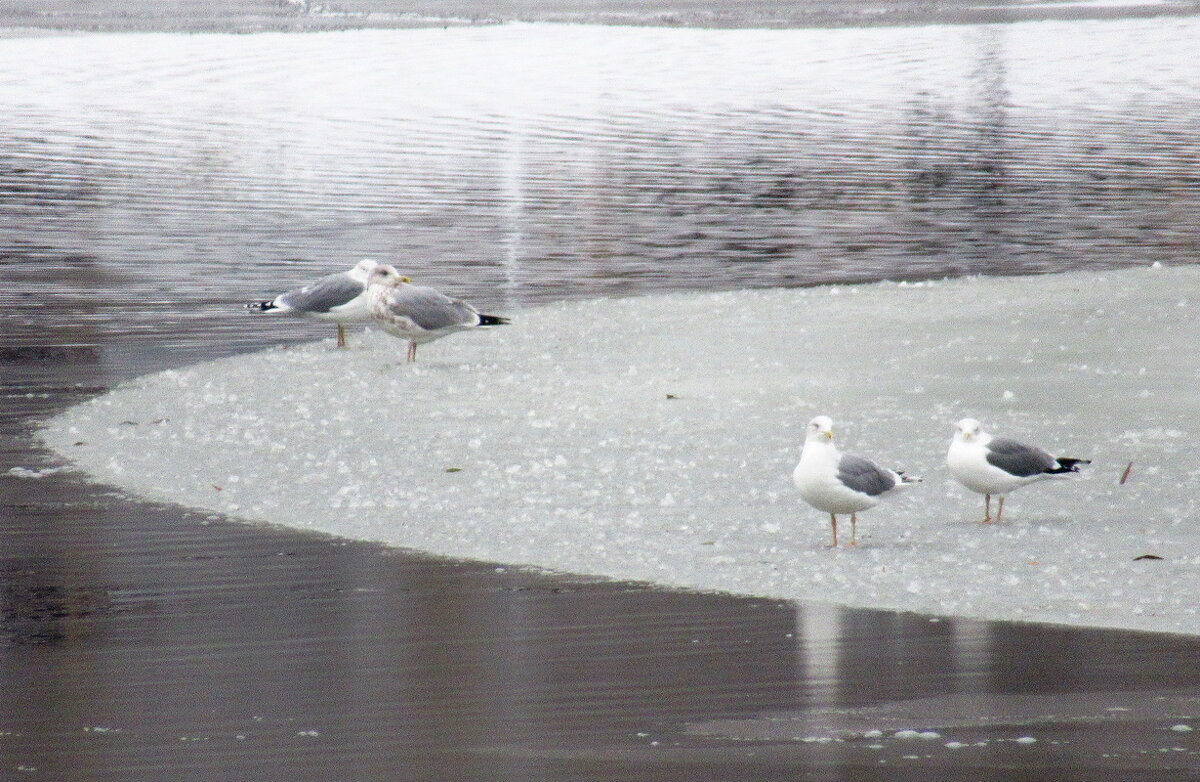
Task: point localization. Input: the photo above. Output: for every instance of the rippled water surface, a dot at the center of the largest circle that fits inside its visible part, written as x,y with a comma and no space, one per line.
151,178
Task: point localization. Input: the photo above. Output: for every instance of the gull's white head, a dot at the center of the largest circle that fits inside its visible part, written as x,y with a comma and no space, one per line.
967,430
363,268
820,429
386,275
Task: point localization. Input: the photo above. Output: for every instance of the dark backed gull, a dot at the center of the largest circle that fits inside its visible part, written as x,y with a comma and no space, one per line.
838,483
997,465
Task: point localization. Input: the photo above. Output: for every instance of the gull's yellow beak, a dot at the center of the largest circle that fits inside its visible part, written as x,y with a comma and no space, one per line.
828,434
405,279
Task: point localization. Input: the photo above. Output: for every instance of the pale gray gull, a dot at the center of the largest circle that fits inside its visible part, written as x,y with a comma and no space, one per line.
341,298
838,483
418,313
997,465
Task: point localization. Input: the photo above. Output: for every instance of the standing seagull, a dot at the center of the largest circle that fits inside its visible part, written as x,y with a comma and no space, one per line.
417,313
997,465
839,483
341,298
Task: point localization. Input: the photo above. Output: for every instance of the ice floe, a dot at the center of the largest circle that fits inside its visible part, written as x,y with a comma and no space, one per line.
653,438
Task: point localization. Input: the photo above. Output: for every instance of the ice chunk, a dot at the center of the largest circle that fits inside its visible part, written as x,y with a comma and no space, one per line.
533,446
25,472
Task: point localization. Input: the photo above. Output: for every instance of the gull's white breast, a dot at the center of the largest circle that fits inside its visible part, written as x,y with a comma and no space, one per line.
816,478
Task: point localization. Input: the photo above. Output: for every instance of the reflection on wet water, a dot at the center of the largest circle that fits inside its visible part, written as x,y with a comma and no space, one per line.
916,691
42,613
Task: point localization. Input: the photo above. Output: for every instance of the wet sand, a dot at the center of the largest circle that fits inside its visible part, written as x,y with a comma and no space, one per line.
142,642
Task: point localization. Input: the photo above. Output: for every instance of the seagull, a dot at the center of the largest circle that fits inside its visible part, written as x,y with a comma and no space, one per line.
997,465
418,313
339,297
839,483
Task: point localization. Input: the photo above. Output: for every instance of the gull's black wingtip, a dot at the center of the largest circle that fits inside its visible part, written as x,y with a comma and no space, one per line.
1068,465
492,320
261,306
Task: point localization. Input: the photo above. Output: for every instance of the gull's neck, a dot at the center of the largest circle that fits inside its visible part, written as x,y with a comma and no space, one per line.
978,441
820,447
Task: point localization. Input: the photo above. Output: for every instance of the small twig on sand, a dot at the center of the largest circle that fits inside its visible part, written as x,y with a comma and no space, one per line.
1125,475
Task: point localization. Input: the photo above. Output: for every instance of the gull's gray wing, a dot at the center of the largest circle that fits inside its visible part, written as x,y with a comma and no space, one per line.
322,295
1023,461
864,475
430,309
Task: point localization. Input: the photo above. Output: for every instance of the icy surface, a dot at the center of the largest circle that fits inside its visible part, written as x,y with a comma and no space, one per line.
654,439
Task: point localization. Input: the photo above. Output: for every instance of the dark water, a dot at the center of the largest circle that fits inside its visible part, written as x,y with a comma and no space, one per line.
149,184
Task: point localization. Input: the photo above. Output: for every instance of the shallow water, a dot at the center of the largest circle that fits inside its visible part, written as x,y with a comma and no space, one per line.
149,184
